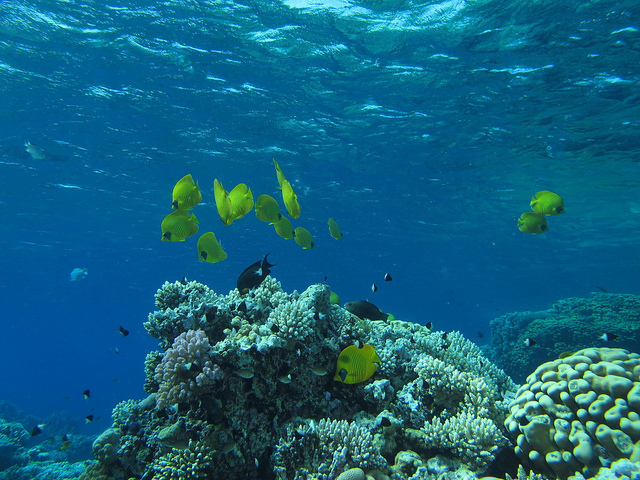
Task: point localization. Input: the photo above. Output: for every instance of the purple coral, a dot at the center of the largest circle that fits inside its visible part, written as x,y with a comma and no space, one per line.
185,367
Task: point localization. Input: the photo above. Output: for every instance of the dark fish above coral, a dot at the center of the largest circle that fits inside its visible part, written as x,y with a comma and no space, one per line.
253,275
364,309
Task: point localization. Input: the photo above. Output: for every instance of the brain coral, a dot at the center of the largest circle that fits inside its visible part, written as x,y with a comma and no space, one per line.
579,413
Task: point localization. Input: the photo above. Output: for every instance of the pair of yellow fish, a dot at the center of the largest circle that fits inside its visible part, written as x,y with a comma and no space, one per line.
182,224
232,205
542,203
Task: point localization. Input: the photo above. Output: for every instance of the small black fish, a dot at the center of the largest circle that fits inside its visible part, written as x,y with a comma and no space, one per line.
385,422
253,275
184,280
88,418
444,336
117,350
387,277
608,337
86,393
364,309
529,342
429,325
480,334
193,367
374,288
65,438
325,279
36,431
242,307
275,328
444,346
123,331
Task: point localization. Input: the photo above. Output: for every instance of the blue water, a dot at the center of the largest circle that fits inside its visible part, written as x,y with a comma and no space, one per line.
422,128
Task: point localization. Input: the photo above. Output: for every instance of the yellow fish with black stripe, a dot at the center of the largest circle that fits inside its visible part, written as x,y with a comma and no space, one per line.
179,225
209,249
356,364
186,194
547,203
531,222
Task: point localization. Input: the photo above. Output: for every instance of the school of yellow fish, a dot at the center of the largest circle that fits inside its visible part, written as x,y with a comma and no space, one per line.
181,224
542,203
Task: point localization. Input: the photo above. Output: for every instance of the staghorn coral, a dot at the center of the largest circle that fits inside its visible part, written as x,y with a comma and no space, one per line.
192,463
330,447
579,413
185,367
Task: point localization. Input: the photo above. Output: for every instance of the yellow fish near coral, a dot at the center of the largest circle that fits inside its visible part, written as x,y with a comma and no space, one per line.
530,222
186,194
284,228
209,249
267,209
547,203
304,238
334,229
356,365
179,225
290,199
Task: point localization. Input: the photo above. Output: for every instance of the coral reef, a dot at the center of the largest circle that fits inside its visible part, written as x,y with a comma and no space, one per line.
569,325
243,388
579,413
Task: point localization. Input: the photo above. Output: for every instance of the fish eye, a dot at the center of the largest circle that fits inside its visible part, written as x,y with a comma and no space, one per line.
167,235
559,209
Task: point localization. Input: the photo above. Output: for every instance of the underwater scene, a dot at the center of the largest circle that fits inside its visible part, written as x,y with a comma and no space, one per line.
320,239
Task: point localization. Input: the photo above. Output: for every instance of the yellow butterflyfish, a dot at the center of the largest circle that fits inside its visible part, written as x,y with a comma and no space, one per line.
186,194
531,222
179,225
303,238
223,203
267,209
356,365
290,199
334,229
209,249
547,203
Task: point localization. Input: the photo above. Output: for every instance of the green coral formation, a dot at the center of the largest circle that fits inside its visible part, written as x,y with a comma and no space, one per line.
571,324
579,413
243,388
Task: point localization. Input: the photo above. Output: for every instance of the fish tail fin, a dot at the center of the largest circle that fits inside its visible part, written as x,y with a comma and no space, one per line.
265,263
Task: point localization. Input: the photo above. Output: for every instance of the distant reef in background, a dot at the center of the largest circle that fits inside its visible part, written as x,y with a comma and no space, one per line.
569,325
25,456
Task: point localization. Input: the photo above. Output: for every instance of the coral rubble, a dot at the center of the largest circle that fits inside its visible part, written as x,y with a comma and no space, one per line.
243,388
